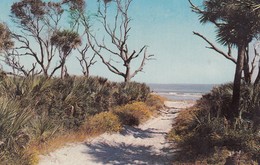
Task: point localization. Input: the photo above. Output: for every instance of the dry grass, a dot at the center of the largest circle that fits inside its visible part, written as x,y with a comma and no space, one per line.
94,126
155,102
133,114
103,122
36,148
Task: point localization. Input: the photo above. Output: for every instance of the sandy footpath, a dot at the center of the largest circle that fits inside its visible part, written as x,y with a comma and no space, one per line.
145,144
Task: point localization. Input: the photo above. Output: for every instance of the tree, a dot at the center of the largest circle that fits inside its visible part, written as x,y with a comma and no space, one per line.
38,21
114,52
237,24
65,41
86,61
80,23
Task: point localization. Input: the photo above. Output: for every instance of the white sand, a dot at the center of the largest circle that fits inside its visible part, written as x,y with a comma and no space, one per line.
145,144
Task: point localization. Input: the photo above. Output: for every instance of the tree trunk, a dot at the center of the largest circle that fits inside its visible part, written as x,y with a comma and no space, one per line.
257,80
247,73
234,110
62,69
127,73
86,72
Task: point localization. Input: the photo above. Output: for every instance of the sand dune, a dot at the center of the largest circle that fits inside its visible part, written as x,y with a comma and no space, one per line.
145,144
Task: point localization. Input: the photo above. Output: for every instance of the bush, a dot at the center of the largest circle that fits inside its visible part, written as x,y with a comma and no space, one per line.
131,92
154,101
203,130
71,100
55,106
133,114
103,122
42,128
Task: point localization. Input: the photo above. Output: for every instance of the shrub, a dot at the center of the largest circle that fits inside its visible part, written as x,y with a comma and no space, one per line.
14,131
71,100
133,114
56,105
154,101
42,128
103,122
203,130
131,92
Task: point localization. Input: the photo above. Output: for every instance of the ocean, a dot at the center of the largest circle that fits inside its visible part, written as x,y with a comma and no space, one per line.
181,91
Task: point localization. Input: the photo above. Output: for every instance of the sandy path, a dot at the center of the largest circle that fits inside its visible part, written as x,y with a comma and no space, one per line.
145,144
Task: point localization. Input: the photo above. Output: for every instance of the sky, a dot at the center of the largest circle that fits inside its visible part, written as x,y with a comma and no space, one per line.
166,26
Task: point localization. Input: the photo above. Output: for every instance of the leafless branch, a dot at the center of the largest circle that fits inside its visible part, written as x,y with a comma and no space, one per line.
253,65
145,58
212,46
118,32
83,60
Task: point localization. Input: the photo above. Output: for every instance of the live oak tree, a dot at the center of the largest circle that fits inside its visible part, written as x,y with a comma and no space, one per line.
236,25
113,49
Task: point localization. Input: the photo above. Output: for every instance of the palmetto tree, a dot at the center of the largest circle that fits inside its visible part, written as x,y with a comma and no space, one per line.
65,41
236,25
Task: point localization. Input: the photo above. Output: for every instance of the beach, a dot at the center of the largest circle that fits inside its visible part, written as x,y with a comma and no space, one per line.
145,144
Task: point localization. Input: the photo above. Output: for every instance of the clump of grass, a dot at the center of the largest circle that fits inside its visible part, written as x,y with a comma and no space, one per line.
133,114
103,122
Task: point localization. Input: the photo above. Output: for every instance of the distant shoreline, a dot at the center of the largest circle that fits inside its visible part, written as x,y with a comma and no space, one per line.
181,92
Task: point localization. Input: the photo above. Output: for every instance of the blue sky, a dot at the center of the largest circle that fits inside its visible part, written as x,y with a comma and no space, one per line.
166,27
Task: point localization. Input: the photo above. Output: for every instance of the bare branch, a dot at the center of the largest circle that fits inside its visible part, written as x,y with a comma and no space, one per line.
118,33
253,61
212,46
141,67
83,60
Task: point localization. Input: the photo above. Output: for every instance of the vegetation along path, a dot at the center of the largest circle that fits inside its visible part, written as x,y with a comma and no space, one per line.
145,144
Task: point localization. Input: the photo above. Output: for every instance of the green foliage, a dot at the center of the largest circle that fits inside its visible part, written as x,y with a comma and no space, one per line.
55,106
71,100
14,131
66,40
203,131
42,128
130,91
224,14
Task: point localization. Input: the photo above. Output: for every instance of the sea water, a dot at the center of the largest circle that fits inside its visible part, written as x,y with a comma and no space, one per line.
181,91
